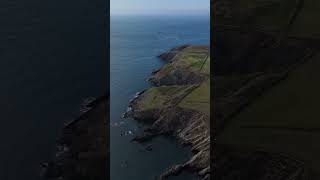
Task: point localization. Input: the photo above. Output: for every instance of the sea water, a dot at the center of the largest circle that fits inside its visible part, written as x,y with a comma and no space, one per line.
136,41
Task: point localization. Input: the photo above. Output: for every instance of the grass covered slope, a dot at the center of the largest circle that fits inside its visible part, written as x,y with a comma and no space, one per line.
159,97
193,97
190,65
198,99
149,105
179,105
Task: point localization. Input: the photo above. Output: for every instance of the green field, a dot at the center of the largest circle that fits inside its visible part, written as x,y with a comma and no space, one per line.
196,59
194,97
160,97
198,99
189,97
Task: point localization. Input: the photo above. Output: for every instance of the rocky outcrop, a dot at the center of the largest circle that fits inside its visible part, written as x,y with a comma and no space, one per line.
190,128
171,54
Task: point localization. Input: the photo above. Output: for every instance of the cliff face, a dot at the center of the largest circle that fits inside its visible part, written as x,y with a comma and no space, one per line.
180,106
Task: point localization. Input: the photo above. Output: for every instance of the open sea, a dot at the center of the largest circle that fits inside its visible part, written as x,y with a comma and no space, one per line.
52,57
136,41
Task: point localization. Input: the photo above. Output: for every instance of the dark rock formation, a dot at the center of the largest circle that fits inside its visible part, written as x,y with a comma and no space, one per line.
168,56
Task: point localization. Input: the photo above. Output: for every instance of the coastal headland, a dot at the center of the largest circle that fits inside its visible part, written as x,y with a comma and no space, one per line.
179,105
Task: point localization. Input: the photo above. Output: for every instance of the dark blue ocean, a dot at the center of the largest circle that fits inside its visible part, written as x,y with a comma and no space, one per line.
52,57
136,41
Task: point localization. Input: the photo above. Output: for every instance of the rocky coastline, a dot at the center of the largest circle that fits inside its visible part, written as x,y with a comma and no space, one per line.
239,78
178,105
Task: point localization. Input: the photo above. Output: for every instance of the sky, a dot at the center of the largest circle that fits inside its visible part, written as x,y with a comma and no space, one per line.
151,7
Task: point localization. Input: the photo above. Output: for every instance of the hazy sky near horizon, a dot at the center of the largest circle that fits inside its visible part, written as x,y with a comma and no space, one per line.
159,7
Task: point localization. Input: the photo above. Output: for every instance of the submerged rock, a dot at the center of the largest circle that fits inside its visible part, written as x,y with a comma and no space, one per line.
149,148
